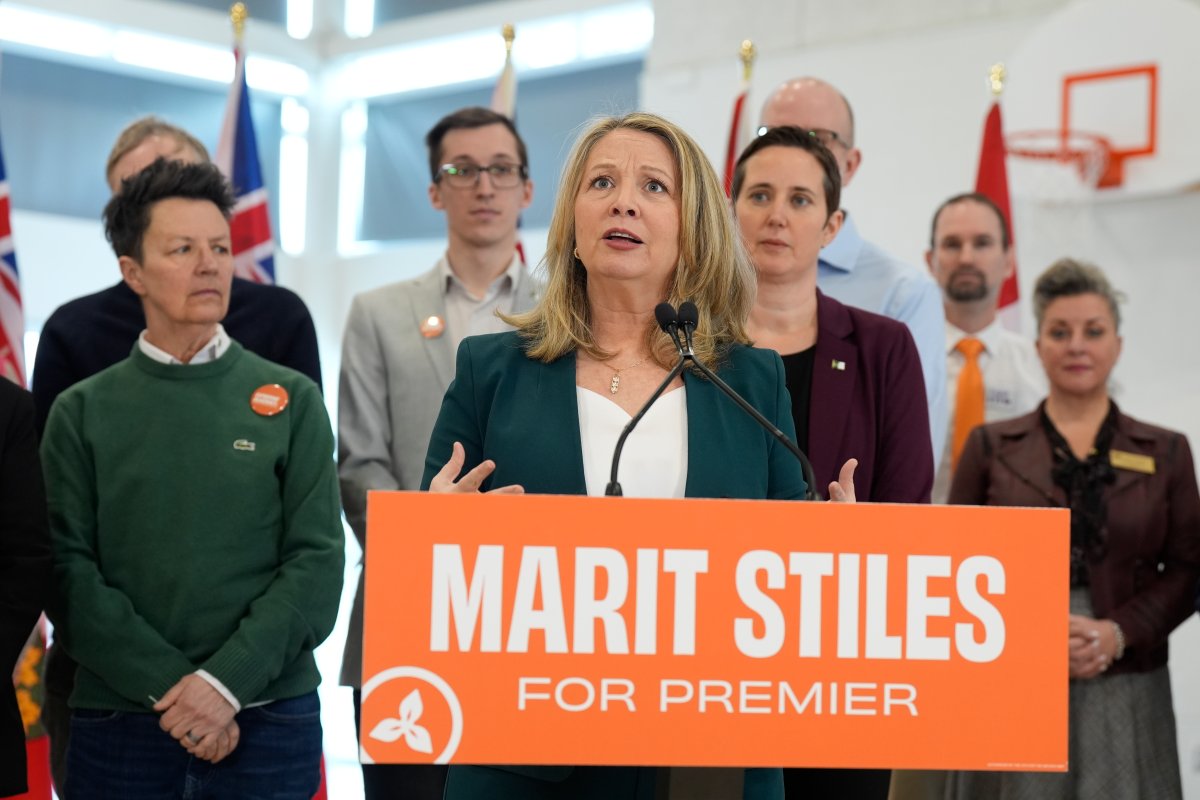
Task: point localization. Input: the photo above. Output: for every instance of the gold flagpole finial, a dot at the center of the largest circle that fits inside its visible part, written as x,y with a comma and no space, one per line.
509,32
996,77
748,53
238,16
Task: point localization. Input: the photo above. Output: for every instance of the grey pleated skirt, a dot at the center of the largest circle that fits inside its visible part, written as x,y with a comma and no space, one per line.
1122,746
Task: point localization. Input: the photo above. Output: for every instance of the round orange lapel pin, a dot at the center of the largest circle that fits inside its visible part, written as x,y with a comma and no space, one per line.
432,326
269,399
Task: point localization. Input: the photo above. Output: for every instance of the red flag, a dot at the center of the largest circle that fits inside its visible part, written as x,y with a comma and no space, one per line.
739,136
12,318
237,157
992,181
31,697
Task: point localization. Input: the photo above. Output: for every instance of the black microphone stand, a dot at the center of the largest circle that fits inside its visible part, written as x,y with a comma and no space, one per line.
688,317
666,317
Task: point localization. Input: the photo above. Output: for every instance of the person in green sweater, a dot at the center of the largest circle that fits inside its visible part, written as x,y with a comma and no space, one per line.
198,547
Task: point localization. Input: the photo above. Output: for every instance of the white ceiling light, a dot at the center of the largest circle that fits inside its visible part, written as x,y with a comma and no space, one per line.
359,19
23,26
299,18
479,55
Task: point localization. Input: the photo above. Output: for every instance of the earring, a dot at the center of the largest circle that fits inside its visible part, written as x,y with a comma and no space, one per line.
575,252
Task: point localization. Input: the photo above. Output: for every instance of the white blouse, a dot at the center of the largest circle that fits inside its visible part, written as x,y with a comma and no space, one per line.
654,460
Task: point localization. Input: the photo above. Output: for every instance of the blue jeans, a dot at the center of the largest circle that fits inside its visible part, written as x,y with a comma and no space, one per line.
118,755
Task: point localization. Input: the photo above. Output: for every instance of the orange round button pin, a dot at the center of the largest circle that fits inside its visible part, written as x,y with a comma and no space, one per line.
269,399
432,327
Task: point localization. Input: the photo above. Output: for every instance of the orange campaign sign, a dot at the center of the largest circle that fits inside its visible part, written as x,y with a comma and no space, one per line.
589,630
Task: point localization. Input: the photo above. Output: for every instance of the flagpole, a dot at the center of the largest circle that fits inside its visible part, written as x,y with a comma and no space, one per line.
992,181
747,53
504,94
509,32
737,136
997,75
238,16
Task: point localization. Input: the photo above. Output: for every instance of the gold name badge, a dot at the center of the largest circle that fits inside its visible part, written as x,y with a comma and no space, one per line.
1134,462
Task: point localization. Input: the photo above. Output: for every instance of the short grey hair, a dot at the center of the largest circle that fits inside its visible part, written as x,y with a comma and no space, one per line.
1068,277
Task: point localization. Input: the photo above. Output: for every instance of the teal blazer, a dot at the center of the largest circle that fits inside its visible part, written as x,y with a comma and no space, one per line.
524,415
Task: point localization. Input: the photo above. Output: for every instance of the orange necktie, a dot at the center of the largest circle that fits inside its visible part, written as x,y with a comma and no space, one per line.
968,402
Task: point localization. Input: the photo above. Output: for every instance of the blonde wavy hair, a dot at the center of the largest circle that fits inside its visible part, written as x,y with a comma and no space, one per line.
714,270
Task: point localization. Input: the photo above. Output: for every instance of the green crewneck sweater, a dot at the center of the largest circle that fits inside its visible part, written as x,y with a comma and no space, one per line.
191,532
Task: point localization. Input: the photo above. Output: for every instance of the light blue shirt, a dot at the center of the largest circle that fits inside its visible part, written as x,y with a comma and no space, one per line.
858,273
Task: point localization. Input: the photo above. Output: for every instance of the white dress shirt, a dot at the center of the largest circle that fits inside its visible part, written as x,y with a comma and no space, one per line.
468,315
214,349
1013,384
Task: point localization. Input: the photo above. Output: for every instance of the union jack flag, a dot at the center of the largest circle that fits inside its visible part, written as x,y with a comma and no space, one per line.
237,158
12,317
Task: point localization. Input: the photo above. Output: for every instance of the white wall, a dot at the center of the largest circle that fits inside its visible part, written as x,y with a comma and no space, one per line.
915,74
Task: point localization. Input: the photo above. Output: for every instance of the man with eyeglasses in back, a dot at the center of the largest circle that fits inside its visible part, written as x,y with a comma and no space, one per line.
399,349
852,269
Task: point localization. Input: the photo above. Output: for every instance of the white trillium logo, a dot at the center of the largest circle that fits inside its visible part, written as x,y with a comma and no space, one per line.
406,724
415,736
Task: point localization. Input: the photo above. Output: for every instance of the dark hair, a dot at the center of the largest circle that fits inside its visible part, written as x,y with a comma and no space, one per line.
465,118
791,136
1070,278
127,215
972,197
142,129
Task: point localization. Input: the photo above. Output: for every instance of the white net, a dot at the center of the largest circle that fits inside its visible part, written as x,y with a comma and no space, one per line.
1055,167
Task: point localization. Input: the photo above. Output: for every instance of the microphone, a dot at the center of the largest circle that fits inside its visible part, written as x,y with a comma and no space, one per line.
689,317
667,319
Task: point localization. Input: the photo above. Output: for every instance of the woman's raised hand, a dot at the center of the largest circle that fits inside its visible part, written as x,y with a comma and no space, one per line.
447,480
842,490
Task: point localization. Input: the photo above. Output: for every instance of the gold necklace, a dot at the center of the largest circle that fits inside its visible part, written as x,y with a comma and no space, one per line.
615,383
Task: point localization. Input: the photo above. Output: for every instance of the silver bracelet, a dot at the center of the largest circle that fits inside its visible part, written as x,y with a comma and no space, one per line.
1119,638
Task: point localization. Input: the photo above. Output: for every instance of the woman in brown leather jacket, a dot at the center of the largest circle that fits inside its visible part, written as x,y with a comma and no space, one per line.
1135,546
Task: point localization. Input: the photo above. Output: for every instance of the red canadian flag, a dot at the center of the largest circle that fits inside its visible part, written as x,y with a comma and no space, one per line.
992,180
741,131
739,134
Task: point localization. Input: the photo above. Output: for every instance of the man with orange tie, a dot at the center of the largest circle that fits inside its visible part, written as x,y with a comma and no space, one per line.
992,373
400,343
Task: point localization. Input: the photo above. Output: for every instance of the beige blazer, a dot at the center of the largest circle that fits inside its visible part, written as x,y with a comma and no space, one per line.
389,394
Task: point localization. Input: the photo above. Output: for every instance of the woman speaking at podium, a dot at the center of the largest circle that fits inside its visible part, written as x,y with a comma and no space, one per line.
640,219
1135,547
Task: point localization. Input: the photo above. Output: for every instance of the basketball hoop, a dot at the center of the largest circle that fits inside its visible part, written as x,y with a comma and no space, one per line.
1063,165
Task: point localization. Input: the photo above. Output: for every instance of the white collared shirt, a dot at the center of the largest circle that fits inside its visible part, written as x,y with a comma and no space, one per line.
1013,383
467,315
214,349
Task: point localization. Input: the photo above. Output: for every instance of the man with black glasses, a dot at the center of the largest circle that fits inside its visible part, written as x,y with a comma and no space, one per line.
400,344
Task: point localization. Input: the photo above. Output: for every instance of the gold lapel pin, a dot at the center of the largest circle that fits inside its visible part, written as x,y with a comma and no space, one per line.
840,366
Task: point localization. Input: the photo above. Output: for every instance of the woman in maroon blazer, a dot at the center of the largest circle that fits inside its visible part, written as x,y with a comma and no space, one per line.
854,377
1135,546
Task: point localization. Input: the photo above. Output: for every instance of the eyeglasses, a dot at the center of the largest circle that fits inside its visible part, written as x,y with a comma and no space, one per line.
465,176
824,136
